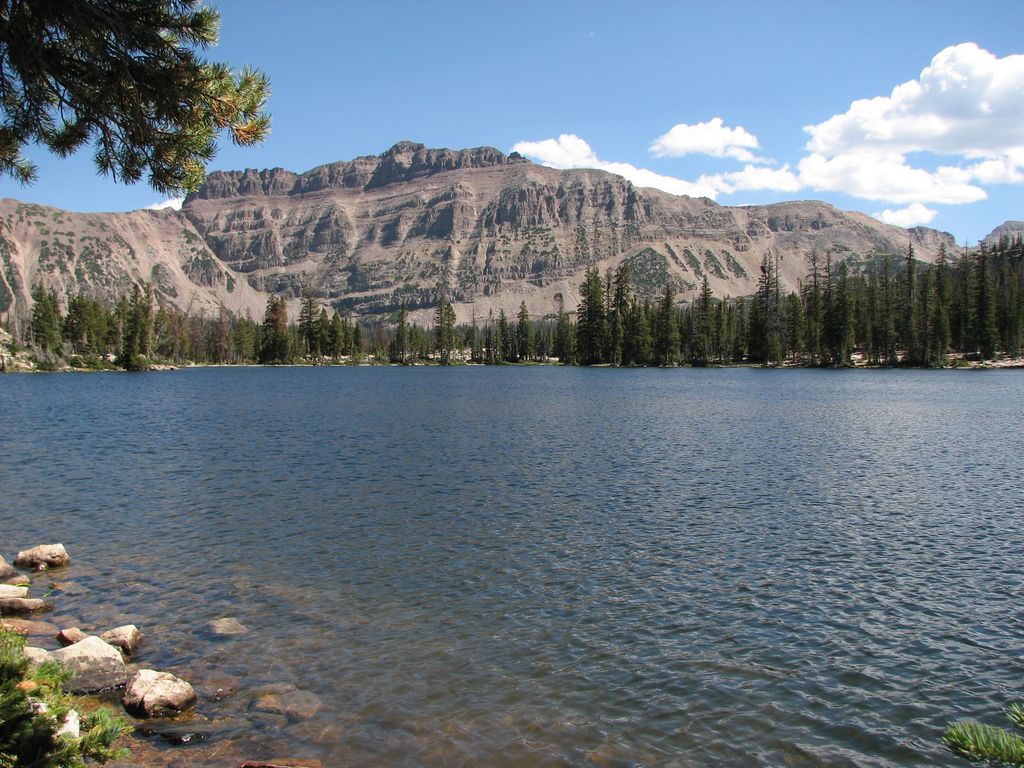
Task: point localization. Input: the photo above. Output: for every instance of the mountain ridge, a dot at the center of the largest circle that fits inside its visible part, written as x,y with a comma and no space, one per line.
368,234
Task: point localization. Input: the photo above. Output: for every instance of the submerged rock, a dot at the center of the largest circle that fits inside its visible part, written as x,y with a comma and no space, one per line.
227,627
282,764
295,704
29,628
157,694
46,555
94,664
20,605
127,638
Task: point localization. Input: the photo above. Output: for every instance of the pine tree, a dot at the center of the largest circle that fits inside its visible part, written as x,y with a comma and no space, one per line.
765,322
136,332
400,346
276,338
524,333
986,334
910,316
666,337
444,330
335,336
812,312
307,322
840,317
129,78
701,345
591,322
46,321
618,309
357,344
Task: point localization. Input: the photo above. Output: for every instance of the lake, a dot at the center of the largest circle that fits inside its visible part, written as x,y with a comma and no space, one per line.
541,566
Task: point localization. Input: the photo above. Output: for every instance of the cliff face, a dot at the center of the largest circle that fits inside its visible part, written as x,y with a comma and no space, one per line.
373,232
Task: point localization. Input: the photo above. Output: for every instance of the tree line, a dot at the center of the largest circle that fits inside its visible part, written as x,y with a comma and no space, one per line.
886,310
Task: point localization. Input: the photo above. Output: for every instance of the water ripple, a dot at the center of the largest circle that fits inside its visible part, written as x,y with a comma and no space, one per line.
546,567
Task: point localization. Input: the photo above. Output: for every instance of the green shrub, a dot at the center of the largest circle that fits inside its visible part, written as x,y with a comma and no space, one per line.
988,744
33,707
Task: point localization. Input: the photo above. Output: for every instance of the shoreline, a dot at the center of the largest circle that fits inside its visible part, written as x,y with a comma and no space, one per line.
965,365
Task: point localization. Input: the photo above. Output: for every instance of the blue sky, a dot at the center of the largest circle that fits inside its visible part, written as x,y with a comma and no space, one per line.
747,102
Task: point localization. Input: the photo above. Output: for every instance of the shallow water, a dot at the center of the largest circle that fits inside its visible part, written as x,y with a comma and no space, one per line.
544,566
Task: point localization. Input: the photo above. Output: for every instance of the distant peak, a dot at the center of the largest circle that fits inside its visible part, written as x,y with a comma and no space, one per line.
404,148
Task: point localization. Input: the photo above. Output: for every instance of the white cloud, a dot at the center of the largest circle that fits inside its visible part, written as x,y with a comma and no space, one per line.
967,102
967,105
759,178
712,138
888,177
174,202
570,151
911,216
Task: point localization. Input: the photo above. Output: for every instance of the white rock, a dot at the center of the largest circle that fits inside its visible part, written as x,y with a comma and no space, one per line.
72,725
157,694
94,665
6,570
127,638
48,555
9,590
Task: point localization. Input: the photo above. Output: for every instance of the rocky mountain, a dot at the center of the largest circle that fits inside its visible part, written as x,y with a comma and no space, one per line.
1010,229
370,233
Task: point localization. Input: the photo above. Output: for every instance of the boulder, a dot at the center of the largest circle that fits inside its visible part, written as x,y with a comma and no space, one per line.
35,656
71,636
10,590
6,569
94,664
127,638
227,626
45,555
29,628
157,694
12,606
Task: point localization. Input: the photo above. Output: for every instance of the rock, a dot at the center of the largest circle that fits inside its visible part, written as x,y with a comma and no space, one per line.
71,636
29,628
94,665
127,638
35,656
19,605
157,694
21,580
283,764
227,626
295,705
48,555
10,590
71,726
6,569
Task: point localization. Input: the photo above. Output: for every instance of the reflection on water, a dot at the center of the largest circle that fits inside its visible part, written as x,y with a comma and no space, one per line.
533,567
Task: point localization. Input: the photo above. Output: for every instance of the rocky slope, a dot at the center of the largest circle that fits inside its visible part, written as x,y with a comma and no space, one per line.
370,233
